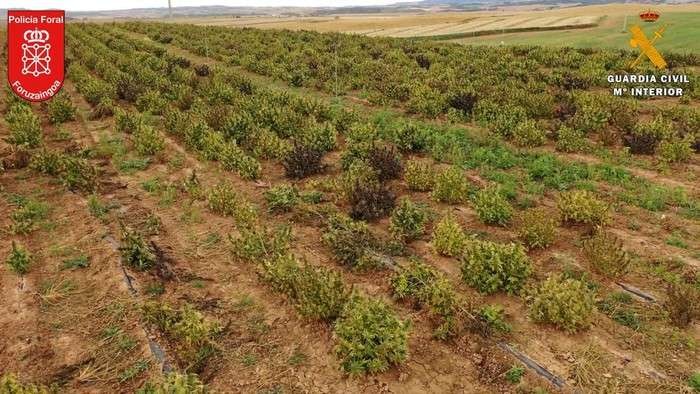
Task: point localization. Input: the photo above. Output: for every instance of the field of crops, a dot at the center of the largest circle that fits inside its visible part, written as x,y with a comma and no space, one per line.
260,211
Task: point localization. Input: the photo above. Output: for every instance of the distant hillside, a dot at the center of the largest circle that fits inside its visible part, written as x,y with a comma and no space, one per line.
424,5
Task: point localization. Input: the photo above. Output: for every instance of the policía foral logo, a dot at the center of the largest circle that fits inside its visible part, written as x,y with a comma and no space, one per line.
35,53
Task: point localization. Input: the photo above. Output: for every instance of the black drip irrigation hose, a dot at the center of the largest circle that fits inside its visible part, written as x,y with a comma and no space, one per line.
534,365
156,350
522,357
639,293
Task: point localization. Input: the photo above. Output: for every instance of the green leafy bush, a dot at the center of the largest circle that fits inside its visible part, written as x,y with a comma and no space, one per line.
321,137
9,384
126,121
78,174
19,259
408,220
427,286
676,150
645,136
151,101
419,176
528,134
25,128
136,252
192,331
370,337
582,207
147,140
47,162
260,243
605,253
282,198
410,137
537,228
318,293
566,303
451,186
96,91
448,237
351,242
491,267
492,207
75,172
103,109
60,109
175,383
321,293
222,199
571,140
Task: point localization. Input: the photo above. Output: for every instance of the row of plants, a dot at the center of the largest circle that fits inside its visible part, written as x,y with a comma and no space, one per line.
415,137
268,124
464,83
370,336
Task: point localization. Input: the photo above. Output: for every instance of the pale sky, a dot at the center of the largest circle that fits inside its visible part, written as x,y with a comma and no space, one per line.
92,5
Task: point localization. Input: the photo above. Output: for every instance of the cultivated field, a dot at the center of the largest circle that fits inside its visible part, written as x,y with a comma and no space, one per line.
267,211
586,26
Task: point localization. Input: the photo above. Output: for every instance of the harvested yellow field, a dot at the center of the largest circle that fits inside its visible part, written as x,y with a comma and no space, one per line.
484,24
431,23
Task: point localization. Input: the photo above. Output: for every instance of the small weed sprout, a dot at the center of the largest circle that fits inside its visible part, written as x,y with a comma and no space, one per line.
515,374
493,316
19,259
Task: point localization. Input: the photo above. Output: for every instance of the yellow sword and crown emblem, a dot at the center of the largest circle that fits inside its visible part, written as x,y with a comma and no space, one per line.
646,46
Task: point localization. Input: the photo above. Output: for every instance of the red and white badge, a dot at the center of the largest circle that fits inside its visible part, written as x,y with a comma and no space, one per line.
35,49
